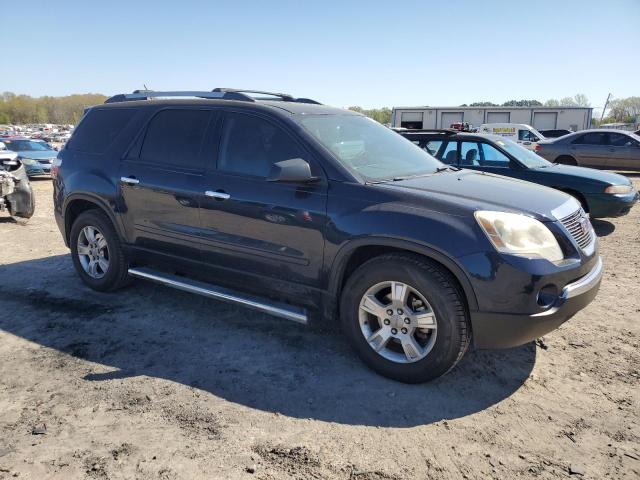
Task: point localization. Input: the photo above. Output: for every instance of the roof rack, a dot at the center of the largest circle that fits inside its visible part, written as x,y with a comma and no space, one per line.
443,131
215,94
285,97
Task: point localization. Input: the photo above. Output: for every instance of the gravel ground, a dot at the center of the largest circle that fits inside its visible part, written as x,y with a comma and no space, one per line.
155,383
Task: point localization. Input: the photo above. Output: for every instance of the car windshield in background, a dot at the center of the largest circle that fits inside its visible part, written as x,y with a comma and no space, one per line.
368,148
26,146
524,156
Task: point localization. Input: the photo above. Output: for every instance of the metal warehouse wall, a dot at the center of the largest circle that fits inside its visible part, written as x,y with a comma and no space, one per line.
539,117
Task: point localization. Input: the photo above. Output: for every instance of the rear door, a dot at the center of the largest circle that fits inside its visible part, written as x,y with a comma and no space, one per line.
160,182
591,150
257,227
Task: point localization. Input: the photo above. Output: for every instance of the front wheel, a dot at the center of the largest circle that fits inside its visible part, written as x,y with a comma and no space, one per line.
405,317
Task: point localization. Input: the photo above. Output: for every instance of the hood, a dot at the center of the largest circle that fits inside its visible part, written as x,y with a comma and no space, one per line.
597,176
38,155
485,191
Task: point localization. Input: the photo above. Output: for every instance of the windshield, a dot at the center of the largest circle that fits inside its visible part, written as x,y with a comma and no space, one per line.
524,156
369,149
26,146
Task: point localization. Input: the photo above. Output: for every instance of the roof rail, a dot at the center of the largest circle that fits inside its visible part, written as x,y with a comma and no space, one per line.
285,97
443,131
215,94
148,94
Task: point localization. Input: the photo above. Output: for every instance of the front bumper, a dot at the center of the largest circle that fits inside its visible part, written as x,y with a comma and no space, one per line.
604,205
34,169
500,330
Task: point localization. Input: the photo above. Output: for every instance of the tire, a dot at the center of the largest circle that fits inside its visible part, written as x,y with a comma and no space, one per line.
566,160
427,281
112,277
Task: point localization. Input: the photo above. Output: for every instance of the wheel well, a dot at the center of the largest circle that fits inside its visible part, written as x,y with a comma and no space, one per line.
74,209
569,157
578,196
365,253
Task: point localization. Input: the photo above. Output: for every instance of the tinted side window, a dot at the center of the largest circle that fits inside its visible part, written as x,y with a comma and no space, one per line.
594,138
251,145
99,129
174,137
619,140
469,154
493,157
450,154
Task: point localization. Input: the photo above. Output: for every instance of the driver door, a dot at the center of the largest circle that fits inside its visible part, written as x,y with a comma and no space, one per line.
251,225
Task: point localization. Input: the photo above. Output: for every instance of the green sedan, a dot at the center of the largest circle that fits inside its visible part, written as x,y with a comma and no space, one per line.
602,194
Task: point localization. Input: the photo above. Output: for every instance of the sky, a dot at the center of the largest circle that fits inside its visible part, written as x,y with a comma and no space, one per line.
339,52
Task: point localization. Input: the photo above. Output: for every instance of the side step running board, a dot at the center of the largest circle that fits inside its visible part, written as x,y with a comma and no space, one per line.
212,291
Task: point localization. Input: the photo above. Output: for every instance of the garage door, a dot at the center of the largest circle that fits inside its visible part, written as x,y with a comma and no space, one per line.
448,118
545,120
498,117
412,120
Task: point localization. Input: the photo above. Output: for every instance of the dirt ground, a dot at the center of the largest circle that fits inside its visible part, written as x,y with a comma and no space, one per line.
155,383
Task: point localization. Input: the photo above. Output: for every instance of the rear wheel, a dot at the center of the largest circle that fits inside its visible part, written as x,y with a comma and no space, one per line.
405,317
566,160
96,251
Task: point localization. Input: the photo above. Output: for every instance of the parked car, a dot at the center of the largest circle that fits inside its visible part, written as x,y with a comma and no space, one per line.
36,155
306,211
597,148
16,195
602,194
558,132
523,134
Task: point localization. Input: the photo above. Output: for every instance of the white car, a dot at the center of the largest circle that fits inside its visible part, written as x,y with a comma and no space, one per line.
523,134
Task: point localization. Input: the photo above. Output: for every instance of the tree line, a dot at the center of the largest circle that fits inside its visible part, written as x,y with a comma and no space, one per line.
20,109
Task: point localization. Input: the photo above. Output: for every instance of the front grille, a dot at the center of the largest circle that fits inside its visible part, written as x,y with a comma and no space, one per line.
579,227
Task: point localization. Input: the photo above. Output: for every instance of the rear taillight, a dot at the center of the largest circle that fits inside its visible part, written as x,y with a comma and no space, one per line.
538,148
55,166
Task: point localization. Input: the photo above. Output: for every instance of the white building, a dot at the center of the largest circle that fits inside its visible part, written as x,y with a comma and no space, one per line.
541,118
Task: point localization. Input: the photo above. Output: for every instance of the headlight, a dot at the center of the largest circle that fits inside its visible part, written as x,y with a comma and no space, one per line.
613,189
519,235
28,161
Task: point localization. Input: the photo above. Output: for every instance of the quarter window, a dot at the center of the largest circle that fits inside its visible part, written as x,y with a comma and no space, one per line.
99,129
174,138
251,145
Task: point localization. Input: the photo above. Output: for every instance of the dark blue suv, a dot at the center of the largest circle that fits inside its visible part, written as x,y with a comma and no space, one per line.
305,211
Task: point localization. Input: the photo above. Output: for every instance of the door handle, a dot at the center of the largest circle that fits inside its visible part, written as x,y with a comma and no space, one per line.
129,180
218,195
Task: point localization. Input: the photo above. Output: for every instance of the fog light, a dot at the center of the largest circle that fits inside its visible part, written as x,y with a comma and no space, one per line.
547,295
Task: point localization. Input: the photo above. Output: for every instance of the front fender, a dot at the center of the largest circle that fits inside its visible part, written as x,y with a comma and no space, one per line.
344,253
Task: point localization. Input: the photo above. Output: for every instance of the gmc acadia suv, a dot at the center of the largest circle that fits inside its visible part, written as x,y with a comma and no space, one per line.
293,208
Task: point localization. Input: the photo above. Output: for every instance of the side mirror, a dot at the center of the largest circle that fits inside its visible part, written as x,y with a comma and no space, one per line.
294,170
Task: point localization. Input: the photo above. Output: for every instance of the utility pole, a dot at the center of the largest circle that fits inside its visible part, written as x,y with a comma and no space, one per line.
605,107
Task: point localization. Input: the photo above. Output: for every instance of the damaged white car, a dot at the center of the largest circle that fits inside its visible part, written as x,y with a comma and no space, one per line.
16,195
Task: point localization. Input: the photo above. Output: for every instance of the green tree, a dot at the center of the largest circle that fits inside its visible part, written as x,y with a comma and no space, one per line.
381,115
522,103
25,109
